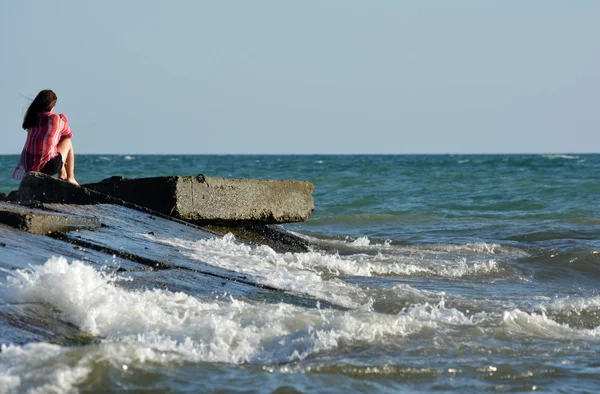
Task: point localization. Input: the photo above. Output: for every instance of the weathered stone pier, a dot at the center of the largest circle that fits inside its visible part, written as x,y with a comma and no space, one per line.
248,208
116,221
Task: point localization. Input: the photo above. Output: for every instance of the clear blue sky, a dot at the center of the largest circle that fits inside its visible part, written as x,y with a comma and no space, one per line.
201,77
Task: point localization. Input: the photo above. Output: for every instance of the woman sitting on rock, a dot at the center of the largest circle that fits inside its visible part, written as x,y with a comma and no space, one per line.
48,147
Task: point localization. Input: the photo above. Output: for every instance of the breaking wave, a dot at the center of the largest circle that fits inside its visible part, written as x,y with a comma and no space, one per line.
315,273
140,327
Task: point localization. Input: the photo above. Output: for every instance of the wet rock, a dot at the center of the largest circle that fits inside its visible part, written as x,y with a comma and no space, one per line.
38,221
244,207
273,236
29,322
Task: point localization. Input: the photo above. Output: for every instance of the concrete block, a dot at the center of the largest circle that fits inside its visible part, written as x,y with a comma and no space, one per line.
38,187
38,221
216,200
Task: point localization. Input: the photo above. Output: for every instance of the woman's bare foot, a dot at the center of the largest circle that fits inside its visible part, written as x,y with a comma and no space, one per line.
64,177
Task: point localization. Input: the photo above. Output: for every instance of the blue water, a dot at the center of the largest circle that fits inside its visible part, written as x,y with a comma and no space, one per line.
489,265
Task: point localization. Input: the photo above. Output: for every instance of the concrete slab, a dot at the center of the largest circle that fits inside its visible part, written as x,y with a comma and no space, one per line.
38,221
38,187
125,243
215,200
167,197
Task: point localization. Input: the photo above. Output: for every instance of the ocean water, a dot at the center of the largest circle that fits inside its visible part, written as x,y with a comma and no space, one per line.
452,273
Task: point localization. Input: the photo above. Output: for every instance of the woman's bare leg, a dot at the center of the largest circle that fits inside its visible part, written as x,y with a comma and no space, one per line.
67,173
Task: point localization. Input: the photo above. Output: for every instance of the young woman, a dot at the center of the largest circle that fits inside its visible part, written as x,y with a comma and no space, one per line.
48,147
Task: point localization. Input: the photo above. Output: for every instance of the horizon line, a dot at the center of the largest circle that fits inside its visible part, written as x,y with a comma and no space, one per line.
327,154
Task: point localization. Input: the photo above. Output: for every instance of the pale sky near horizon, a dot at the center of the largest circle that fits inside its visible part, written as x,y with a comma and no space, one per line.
282,77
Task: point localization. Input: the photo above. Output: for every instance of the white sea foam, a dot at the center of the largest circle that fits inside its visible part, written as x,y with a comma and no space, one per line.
386,265
8,382
364,243
296,272
561,156
475,247
224,330
361,241
462,267
314,273
159,326
517,322
43,366
575,304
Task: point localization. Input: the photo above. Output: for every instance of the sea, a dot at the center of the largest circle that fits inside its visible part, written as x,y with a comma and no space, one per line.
435,273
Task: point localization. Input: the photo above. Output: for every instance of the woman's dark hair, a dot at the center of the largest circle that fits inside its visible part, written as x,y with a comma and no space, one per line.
43,102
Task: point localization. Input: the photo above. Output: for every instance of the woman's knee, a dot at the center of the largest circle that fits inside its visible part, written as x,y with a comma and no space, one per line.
64,147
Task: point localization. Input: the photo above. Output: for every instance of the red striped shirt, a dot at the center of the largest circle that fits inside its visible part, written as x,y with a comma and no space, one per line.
41,143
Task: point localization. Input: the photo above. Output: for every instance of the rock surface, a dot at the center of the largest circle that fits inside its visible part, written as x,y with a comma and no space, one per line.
134,236
128,242
39,221
38,187
216,200
174,197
